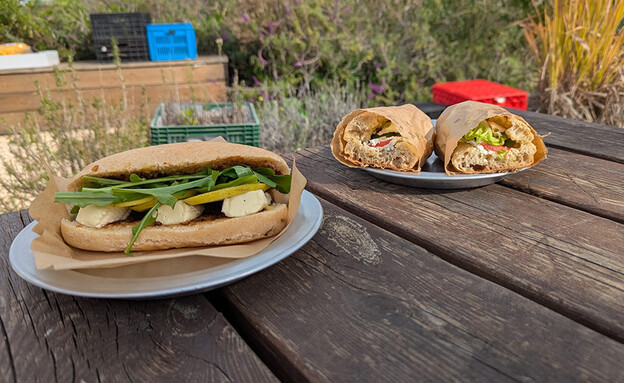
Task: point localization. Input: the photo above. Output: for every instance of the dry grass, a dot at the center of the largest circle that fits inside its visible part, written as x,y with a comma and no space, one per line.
289,122
579,46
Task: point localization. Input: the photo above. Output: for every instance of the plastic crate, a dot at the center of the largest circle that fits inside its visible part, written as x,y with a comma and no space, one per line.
171,42
128,29
129,50
454,92
247,134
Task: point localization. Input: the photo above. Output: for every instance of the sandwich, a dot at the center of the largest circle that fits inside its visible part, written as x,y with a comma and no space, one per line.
397,137
176,195
473,137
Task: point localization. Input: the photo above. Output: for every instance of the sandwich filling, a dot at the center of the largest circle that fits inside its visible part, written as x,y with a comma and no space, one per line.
375,140
496,144
174,199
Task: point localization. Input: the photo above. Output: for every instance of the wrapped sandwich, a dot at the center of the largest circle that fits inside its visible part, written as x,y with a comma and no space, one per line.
178,195
473,137
398,137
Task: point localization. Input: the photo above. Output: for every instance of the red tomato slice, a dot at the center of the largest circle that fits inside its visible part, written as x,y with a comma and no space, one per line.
493,148
380,144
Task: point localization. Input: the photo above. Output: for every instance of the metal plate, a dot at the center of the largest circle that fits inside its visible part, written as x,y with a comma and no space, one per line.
432,176
115,283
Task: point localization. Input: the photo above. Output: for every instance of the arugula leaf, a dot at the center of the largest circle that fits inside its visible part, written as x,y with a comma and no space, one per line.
74,210
235,172
135,178
268,176
148,219
239,181
165,194
199,175
82,199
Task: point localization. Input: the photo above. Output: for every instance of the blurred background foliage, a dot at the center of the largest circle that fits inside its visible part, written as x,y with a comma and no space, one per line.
396,49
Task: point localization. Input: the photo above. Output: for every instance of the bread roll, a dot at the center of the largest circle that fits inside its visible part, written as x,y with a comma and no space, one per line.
517,144
178,159
405,138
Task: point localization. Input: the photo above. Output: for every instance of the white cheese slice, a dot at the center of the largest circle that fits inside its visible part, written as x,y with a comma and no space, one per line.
98,216
245,204
181,213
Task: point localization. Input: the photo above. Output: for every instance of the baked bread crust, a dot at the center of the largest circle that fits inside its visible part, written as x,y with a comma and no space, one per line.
407,154
201,232
177,159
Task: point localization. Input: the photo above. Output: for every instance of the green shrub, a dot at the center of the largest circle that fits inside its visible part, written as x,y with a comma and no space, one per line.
395,48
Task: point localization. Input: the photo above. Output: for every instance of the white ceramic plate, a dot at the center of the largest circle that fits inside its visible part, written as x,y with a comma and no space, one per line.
117,283
432,176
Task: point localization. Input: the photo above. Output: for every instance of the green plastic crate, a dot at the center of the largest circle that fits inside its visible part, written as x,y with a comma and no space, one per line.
247,134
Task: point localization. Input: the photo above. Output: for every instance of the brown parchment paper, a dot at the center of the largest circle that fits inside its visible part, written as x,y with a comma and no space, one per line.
51,252
459,119
410,121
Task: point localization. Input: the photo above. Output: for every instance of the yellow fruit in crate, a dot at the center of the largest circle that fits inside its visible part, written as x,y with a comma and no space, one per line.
14,49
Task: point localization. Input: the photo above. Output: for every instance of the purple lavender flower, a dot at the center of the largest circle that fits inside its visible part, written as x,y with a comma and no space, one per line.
287,9
371,96
262,60
376,64
255,80
377,88
297,2
395,70
271,29
245,18
299,63
261,34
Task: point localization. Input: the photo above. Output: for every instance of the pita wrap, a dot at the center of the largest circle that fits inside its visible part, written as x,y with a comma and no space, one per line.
396,137
513,143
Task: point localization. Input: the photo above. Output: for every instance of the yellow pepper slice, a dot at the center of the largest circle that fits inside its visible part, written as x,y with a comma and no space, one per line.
151,201
219,195
136,202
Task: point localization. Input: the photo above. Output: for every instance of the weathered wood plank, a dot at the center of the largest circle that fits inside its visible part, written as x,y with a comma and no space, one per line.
587,183
211,90
53,337
565,258
24,84
595,140
360,304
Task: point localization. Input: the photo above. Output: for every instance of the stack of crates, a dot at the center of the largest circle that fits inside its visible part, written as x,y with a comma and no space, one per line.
127,29
454,92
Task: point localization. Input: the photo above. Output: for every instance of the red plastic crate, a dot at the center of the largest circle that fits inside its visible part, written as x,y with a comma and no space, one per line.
449,93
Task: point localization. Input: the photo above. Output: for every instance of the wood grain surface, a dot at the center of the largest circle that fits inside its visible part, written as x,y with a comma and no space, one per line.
564,258
359,304
587,183
595,140
49,337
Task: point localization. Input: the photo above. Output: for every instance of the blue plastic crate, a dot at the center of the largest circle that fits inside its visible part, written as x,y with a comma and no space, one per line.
171,42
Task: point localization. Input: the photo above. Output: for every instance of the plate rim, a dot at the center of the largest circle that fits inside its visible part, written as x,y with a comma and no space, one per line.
294,245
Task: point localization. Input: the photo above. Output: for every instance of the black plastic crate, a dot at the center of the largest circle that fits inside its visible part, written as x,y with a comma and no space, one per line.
129,50
128,29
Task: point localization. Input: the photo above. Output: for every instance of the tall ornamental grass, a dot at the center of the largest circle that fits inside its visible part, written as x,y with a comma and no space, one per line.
579,46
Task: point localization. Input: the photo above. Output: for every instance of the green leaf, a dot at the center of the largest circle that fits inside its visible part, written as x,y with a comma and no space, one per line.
268,176
134,178
82,199
148,219
484,133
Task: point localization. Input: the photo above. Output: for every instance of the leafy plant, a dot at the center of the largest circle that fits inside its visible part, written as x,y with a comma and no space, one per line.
188,117
579,46
67,133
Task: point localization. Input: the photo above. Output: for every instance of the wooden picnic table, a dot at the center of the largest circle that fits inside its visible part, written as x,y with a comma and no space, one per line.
517,281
